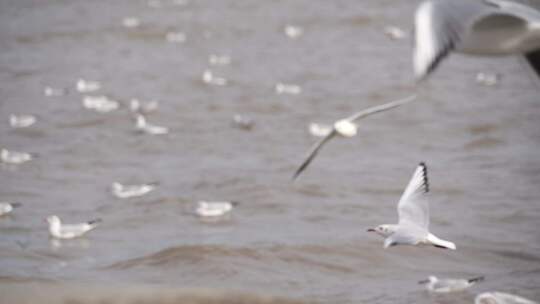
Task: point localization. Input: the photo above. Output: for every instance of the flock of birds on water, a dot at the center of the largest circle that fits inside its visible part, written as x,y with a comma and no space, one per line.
478,27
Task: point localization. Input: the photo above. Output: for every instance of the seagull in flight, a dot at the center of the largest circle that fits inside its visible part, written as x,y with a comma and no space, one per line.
63,231
481,27
413,211
436,285
347,128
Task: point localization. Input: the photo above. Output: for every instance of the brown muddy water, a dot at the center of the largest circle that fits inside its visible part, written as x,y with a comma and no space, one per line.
304,241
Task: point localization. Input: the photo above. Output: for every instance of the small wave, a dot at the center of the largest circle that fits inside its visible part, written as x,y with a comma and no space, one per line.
303,256
81,294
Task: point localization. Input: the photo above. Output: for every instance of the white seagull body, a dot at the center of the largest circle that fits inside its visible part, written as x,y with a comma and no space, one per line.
59,231
482,27
347,128
6,208
14,157
21,121
87,86
436,285
129,191
145,127
413,211
138,106
213,209
500,298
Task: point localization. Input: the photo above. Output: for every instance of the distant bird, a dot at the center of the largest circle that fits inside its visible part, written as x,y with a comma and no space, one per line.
21,121
413,211
87,86
136,105
435,285
482,27
128,191
101,104
319,130
213,209
6,208
60,231
15,157
243,122
208,77
496,297
347,128
143,126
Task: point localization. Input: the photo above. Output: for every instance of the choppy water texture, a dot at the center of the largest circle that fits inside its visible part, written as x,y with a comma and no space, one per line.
304,241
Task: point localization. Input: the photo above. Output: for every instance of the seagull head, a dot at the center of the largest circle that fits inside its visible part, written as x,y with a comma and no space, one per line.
430,279
53,220
383,230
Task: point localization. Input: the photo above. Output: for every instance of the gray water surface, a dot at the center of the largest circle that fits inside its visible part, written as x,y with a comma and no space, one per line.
304,240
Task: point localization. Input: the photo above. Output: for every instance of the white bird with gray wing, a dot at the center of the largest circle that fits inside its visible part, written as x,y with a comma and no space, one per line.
63,231
347,128
488,27
413,211
436,285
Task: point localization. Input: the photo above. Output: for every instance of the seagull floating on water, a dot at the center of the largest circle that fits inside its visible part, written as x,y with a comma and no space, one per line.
59,231
243,122
216,60
496,297
21,121
291,89
128,191
53,92
136,105
319,130
6,208
435,285
208,77
413,211
101,104
394,32
145,127
213,209
15,157
488,27
347,128
293,31
87,86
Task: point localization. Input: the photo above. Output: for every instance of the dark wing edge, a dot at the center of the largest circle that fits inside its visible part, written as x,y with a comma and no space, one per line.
534,60
312,153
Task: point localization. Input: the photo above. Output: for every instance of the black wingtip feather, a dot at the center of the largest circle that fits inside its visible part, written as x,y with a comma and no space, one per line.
534,60
95,221
477,279
424,175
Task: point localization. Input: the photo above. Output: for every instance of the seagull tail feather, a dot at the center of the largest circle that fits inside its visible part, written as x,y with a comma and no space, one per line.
94,222
439,243
476,279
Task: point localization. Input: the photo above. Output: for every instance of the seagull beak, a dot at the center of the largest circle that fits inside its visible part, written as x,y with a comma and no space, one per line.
370,230
423,282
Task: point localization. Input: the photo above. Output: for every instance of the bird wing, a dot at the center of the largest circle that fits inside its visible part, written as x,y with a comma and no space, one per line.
364,113
438,28
381,108
533,58
413,207
313,152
